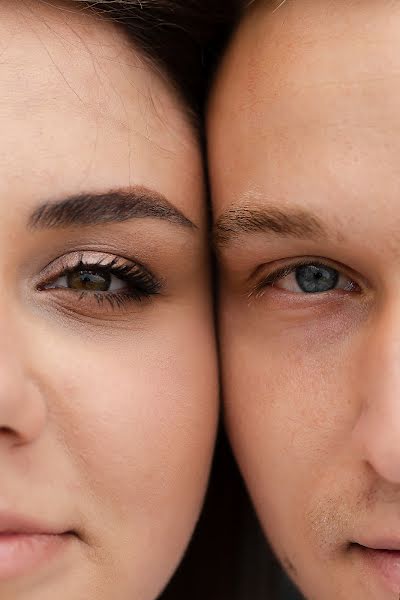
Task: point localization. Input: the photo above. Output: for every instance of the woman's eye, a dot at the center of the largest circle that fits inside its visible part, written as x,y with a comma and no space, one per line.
313,279
110,282
89,280
99,282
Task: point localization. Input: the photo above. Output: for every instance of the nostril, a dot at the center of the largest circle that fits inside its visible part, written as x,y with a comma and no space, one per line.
6,430
11,436
23,412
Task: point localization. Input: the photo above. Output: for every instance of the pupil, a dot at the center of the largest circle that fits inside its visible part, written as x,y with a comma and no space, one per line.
314,279
89,280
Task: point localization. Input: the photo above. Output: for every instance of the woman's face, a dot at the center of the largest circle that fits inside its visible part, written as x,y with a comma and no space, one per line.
107,406
305,152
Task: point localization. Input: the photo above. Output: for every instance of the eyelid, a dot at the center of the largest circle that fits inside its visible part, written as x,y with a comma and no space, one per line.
69,262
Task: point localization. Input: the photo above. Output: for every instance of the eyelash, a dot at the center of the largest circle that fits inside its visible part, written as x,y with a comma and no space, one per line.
272,278
141,284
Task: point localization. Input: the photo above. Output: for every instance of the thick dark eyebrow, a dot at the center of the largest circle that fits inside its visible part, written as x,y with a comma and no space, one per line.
110,207
293,222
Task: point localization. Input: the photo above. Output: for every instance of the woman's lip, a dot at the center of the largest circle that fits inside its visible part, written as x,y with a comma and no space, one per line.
14,523
27,543
24,552
385,562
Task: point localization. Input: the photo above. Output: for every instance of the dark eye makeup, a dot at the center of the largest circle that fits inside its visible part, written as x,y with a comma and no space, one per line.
114,280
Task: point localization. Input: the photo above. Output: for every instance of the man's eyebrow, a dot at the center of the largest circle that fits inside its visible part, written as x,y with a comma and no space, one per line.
114,206
293,222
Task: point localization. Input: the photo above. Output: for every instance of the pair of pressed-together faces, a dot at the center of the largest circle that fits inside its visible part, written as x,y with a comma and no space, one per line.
108,378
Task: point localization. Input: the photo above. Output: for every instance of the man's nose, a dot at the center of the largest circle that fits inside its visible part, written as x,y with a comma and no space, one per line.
378,426
23,411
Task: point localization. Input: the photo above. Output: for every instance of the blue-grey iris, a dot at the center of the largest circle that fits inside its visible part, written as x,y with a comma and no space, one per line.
315,279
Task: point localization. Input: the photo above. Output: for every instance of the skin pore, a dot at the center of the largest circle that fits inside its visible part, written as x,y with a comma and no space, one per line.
304,160
107,408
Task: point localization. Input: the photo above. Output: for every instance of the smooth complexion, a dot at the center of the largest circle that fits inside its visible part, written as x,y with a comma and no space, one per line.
304,138
107,408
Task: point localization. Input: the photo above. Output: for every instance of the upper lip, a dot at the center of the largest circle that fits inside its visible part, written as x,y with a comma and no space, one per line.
18,524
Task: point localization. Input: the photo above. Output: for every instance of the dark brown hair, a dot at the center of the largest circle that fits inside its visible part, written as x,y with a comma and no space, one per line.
182,37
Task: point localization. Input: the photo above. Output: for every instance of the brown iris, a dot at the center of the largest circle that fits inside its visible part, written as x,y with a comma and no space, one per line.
89,280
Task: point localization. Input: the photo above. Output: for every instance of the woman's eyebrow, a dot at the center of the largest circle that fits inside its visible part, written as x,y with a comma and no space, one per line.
245,220
113,206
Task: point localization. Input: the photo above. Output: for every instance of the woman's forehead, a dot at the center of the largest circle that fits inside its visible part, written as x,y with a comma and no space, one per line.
54,56
98,115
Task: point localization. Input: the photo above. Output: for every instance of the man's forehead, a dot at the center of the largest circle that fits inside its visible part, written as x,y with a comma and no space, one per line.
290,103
305,44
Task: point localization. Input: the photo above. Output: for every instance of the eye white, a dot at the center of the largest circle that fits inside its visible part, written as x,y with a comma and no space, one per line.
116,284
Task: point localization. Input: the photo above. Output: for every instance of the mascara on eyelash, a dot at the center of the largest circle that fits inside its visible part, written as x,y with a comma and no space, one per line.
142,284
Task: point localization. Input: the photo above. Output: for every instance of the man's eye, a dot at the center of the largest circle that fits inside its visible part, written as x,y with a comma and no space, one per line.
89,280
313,278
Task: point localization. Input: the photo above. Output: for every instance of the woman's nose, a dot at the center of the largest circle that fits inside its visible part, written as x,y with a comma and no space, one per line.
23,411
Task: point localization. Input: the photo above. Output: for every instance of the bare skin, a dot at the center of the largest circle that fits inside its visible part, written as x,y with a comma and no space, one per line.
304,152
107,408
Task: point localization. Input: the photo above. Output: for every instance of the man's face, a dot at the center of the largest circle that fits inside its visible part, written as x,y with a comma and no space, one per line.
304,130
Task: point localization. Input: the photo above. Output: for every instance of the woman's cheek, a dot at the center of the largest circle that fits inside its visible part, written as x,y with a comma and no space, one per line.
134,409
